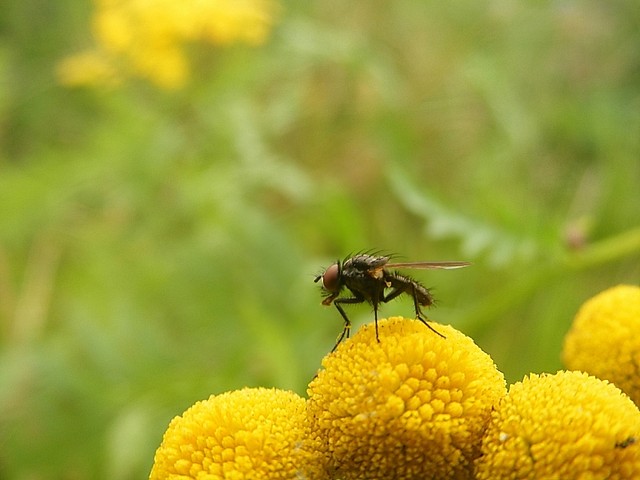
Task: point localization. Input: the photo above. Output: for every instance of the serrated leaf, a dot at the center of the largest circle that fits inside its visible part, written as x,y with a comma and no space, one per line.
477,236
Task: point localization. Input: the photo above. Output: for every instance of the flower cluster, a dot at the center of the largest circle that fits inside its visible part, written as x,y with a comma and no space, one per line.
604,340
253,433
567,425
147,38
413,405
416,405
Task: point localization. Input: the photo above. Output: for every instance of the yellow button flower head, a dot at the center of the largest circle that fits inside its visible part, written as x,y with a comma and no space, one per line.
604,339
564,426
253,433
150,38
412,406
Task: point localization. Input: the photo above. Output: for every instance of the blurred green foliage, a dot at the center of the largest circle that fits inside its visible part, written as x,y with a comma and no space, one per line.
157,247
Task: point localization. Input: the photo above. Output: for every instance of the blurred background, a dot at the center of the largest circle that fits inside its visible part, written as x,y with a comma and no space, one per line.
174,174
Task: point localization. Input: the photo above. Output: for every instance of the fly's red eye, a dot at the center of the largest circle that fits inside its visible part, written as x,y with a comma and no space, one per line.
331,278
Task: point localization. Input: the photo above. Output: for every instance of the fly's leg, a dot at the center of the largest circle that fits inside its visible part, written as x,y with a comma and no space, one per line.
419,315
420,295
377,299
375,320
347,323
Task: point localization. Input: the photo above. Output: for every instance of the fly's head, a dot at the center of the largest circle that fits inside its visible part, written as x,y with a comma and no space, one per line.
331,281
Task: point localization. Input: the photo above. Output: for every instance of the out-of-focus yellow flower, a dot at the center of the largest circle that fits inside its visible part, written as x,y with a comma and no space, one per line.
411,406
604,339
89,68
564,426
147,38
241,435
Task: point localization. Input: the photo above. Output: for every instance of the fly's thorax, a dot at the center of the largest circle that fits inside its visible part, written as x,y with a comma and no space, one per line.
365,262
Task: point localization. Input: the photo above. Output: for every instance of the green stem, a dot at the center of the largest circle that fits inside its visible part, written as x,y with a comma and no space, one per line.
516,292
607,250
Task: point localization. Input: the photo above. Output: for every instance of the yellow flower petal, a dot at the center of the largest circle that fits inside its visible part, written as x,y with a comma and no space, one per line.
413,405
564,426
245,434
604,340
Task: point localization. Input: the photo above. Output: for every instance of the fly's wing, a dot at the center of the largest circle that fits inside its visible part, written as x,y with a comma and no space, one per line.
428,265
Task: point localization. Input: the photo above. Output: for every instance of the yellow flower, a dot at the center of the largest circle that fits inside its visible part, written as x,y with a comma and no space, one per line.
413,405
241,435
604,340
564,426
89,68
148,38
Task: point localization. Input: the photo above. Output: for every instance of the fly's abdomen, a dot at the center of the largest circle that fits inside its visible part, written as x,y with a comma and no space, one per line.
408,285
422,294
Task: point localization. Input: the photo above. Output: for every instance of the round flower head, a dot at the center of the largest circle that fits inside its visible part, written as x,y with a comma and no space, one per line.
604,340
245,434
413,405
569,425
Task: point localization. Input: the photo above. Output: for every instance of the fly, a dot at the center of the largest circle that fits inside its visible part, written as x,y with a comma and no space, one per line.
367,277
